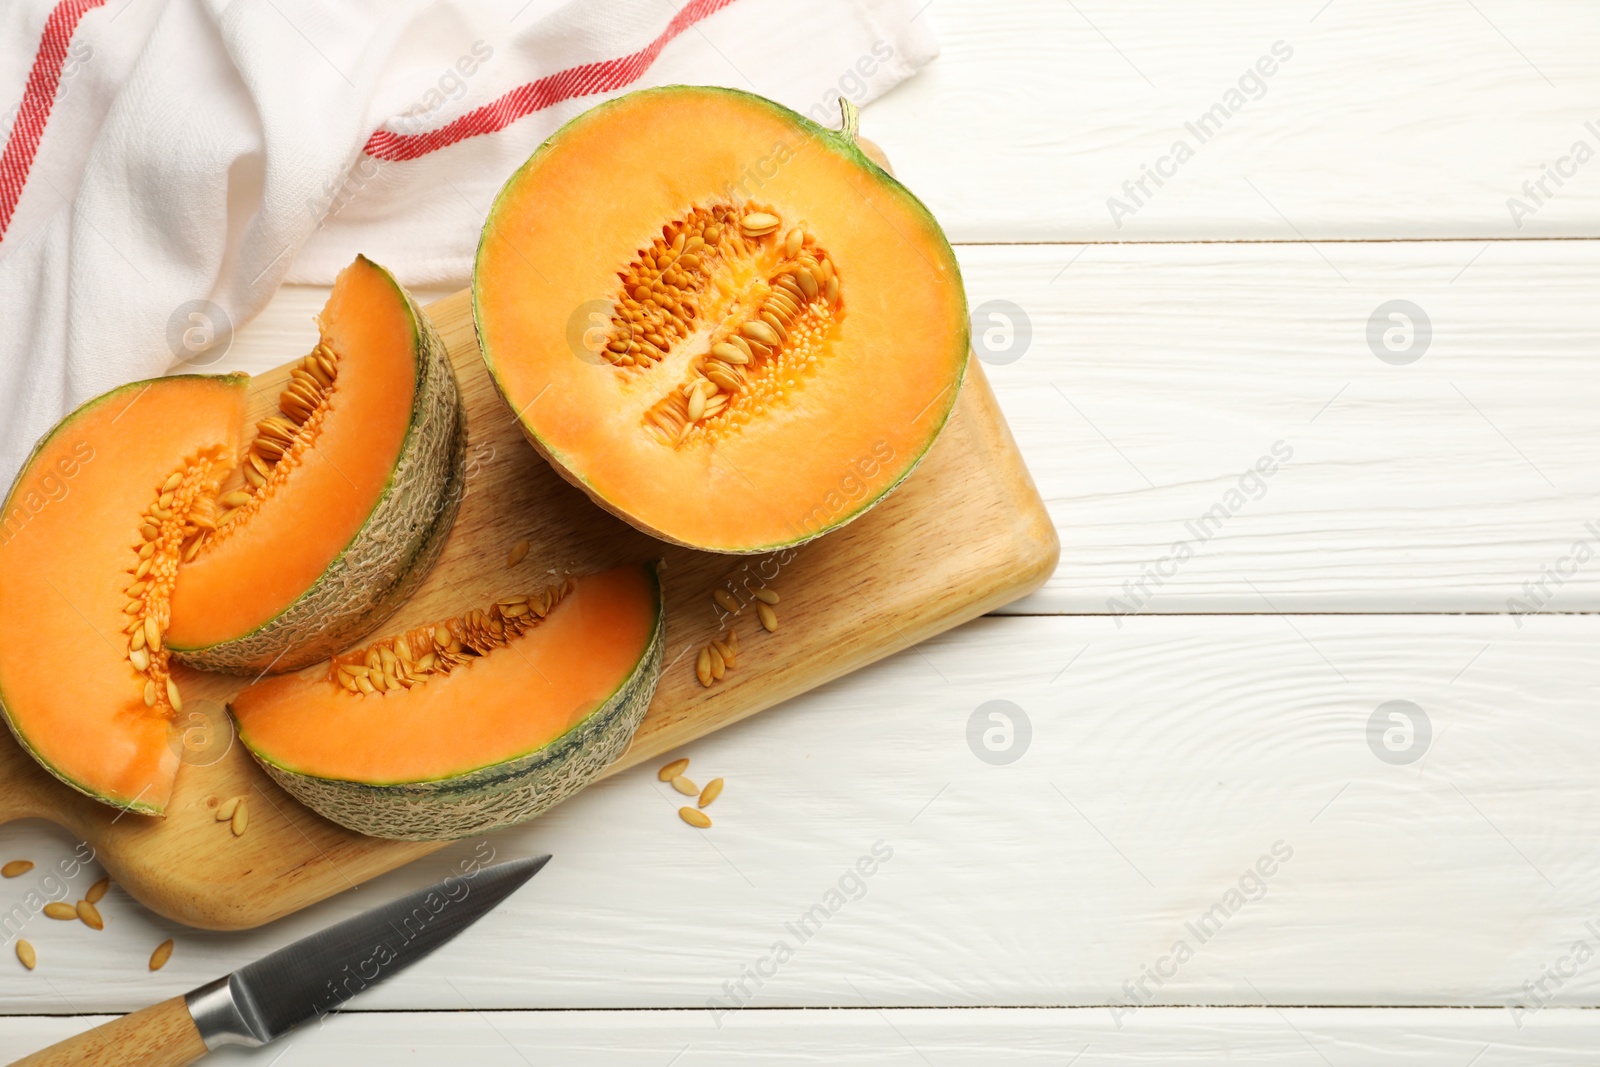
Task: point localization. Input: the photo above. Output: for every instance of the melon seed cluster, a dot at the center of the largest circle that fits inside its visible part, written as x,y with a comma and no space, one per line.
715,659
413,657
771,303
301,409
673,772
184,516
171,528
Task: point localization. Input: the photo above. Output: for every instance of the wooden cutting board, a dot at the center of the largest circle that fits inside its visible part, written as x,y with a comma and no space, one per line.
966,533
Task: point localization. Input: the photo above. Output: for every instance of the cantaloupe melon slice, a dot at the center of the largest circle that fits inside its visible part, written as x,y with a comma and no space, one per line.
470,723
350,493
723,322
89,541
134,536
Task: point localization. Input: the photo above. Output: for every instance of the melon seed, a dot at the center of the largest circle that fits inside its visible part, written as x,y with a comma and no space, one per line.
97,891
727,653
241,817
684,786
172,695
235,499
712,791
769,618
152,633
757,330
58,910
140,658
150,694
729,353
26,955
518,552
163,953
718,667
726,600
758,224
673,769
174,480
226,809
90,915
832,291
724,379
808,284
16,868
702,667
695,817
765,595
791,243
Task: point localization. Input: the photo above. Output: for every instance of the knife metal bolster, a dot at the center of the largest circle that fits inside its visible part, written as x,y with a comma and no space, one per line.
223,1018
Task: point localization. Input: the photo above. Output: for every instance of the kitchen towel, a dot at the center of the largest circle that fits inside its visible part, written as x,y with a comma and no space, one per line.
167,164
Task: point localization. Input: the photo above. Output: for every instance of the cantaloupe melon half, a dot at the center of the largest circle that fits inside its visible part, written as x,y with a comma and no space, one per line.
723,322
469,723
86,552
346,498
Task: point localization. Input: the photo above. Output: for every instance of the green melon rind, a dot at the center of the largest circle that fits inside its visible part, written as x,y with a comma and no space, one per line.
841,141
490,797
394,549
239,381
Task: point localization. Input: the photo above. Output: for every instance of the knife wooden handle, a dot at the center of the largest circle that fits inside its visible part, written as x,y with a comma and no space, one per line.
159,1036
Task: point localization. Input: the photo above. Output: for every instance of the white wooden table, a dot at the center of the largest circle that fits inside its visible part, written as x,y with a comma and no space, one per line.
1199,689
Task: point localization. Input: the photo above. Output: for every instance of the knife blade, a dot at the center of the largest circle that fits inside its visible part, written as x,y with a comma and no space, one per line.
266,999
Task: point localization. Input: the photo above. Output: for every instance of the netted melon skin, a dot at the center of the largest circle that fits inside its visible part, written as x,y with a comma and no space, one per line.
392,552
502,795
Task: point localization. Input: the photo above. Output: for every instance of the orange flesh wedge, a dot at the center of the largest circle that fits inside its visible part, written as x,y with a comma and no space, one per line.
874,375
506,704
256,567
68,540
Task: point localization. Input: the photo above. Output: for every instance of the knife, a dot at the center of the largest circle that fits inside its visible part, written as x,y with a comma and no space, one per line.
265,999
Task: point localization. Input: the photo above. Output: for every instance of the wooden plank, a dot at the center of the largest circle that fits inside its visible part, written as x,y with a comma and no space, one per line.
1416,119
964,534
1173,1037
1159,375
1165,760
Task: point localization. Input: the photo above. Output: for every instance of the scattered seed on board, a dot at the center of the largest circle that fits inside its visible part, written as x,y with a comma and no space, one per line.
685,786
241,817
519,551
695,817
97,891
226,809
702,666
57,909
769,618
90,915
163,953
673,769
712,791
25,953
766,596
726,601
16,868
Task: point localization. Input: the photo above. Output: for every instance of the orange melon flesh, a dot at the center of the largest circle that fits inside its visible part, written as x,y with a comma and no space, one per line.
244,580
68,540
598,192
507,704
